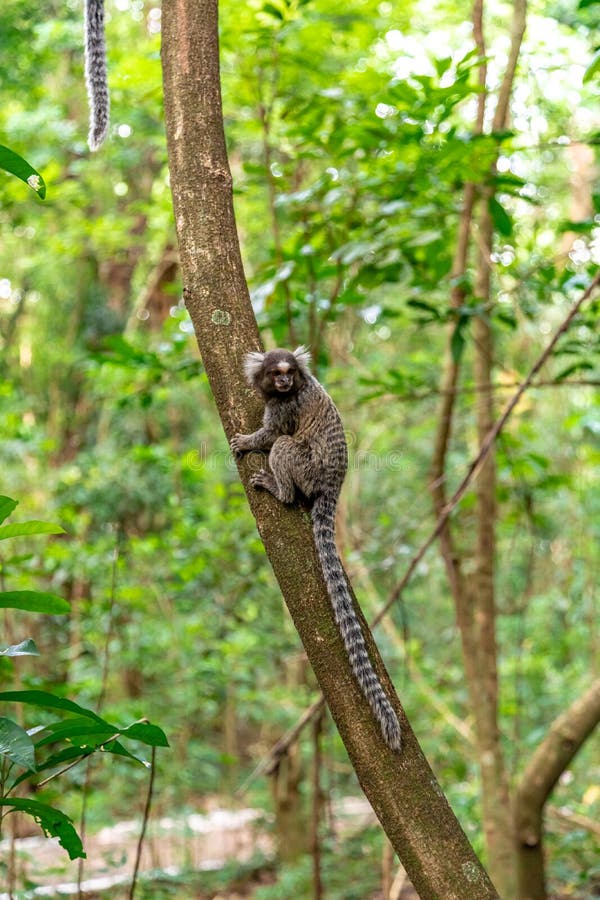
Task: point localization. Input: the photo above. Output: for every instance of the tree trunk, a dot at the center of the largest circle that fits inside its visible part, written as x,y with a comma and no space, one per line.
555,752
401,787
482,600
474,594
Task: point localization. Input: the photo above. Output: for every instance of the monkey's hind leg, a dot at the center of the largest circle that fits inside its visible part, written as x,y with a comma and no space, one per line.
283,460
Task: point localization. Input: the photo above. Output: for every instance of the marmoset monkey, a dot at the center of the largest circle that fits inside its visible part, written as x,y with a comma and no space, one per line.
95,72
303,433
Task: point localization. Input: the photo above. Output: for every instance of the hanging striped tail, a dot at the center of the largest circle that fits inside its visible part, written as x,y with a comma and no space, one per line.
323,516
95,72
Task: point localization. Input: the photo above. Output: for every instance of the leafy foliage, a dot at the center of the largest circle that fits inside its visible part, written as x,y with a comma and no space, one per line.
349,169
82,734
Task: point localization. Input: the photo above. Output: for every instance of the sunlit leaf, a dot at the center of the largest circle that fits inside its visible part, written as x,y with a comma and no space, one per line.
18,529
16,165
593,69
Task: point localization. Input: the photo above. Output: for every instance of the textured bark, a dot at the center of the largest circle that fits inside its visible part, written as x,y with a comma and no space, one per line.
482,600
553,755
401,787
497,819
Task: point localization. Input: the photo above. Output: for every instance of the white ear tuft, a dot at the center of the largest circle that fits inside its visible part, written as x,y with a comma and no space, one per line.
303,359
252,364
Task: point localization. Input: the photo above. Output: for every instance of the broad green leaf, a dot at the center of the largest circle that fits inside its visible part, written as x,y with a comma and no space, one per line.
25,648
34,601
500,217
146,733
31,527
117,749
6,507
50,701
16,744
53,822
16,165
138,731
79,731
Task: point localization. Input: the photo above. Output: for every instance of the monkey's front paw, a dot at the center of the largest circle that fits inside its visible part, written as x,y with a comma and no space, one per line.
238,444
262,480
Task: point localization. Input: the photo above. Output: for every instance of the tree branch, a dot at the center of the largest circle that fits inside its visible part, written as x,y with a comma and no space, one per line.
552,756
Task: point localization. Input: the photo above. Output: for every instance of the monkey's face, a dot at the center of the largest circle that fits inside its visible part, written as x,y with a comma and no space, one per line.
283,381
280,374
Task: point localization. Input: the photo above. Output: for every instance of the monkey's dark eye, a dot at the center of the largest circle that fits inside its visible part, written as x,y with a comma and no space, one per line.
274,372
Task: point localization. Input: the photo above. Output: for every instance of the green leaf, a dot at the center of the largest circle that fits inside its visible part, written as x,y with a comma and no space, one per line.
54,823
6,507
579,366
457,341
273,11
16,165
51,701
507,318
146,733
422,238
80,731
34,601
427,307
25,648
500,217
593,68
137,731
32,527
16,744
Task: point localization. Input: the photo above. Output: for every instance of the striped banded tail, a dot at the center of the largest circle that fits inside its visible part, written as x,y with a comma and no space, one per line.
323,516
95,72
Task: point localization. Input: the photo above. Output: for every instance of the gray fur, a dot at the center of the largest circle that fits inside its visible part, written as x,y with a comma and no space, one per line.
95,72
304,435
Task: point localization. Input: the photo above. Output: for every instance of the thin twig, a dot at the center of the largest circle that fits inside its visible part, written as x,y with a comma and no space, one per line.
140,843
100,703
417,396
486,445
71,765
